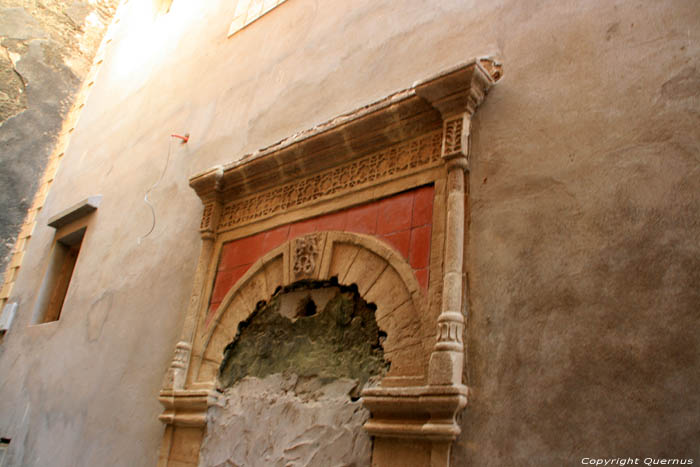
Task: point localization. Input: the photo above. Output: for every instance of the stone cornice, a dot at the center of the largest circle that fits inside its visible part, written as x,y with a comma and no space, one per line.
398,117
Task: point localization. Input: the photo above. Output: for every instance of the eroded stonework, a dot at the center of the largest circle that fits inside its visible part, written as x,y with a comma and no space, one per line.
341,340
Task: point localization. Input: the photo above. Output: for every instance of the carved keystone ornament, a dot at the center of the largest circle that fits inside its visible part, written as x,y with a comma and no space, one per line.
305,254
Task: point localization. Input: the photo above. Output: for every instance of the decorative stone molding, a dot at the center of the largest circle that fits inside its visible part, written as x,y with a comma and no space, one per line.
453,136
424,412
208,188
306,250
410,157
416,136
186,408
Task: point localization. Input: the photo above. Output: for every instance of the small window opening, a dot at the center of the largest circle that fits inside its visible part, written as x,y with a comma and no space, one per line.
58,275
4,445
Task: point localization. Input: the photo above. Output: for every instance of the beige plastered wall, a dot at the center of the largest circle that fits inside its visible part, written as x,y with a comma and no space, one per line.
584,242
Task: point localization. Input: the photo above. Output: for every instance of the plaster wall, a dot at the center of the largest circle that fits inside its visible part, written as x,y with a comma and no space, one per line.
46,50
584,241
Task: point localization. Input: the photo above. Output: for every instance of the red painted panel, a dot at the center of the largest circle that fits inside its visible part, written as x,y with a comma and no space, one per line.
395,213
423,206
224,281
363,219
333,221
242,251
274,238
302,228
399,240
419,256
423,275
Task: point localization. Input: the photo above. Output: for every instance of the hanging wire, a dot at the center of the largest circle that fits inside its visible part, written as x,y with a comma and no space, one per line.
145,198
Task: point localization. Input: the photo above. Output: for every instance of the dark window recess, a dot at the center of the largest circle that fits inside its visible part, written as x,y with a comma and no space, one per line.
4,444
58,275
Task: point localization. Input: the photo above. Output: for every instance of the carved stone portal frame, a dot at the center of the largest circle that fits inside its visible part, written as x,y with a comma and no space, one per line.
411,138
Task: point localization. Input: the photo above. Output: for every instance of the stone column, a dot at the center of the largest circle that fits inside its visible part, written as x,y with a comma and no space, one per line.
456,94
447,359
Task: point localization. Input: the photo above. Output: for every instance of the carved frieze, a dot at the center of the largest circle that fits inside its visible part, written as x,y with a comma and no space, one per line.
412,156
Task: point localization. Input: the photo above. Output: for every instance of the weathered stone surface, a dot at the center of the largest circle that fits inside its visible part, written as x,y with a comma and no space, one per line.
17,23
287,421
340,340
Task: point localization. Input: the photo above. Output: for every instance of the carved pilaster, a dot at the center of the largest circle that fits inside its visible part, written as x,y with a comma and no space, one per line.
446,361
456,94
208,187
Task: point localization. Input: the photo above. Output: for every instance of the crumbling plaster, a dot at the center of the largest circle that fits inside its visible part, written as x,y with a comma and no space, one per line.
583,253
287,421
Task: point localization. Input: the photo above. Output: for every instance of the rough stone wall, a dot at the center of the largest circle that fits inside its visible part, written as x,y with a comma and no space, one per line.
46,49
584,239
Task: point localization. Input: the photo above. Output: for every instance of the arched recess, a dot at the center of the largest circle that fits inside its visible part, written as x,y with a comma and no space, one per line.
382,276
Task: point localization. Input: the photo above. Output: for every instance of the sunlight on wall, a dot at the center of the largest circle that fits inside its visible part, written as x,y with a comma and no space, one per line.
150,37
248,11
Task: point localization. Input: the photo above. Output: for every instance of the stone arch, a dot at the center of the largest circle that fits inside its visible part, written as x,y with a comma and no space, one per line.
382,276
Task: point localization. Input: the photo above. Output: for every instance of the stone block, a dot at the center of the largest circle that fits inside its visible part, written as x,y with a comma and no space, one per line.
365,270
401,325
185,445
343,256
394,452
274,275
389,290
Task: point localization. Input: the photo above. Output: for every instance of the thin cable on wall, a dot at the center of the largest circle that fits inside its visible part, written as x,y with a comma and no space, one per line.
145,198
